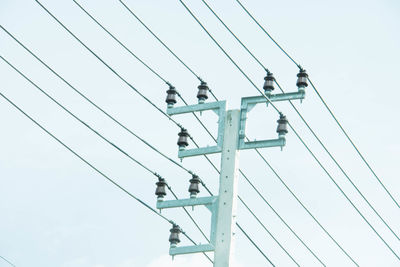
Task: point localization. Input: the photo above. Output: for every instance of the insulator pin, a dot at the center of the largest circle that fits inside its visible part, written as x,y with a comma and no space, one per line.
160,190
171,96
194,186
269,83
302,79
174,236
202,94
183,139
282,125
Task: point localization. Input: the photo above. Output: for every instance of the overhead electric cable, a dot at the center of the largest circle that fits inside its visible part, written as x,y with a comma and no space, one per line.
265,228
90,165
94,104
276,43
108,66
141,22
284,222
302,141
124,46
354,145
326,106
344,194
9,262
254,244
306,123
102,137
141,61
248,78
163,43
94,168
234,35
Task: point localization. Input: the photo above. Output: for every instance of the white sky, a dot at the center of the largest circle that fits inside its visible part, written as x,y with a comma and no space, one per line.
55,211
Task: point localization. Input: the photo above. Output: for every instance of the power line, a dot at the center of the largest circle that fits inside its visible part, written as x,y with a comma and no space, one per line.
97,170
344,194
354,146
100,109
116,73
141,61
326,106
302,141
265,228
144,25
228,56
306,123
163,43
340,168
90,165
102,137
283,50
254,244
247,77
234,35
284,222
9,262
109,67
95,105
124,46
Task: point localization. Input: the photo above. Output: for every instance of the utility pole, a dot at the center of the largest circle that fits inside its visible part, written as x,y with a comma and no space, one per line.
227,196
230,140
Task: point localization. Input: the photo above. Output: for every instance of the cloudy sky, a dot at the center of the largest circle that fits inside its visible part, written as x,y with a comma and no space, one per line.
56,211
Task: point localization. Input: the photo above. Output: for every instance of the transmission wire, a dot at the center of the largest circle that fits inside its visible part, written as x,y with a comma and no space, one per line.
7,261
234,35
354,146
108,66
90,165
163,43
95,105
266,97
283,50
327,107
306,123
105,139
244,74
254,244
263,226
97,170
141,61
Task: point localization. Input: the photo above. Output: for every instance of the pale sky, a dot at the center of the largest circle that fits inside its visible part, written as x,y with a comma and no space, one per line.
56,211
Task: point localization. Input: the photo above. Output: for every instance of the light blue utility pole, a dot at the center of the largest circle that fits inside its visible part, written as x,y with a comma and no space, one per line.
230,140
227,197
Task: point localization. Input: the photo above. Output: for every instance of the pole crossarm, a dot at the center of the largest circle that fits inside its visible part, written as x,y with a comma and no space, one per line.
248,103
211,203
201,201
219,107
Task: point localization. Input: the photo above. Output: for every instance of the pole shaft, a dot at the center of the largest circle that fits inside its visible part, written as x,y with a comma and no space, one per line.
227,202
